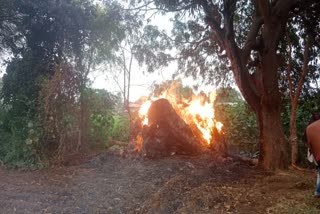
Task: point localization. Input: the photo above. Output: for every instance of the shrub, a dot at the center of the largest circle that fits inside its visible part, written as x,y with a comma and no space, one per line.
120,128
100,127
20,140
61,112
239,125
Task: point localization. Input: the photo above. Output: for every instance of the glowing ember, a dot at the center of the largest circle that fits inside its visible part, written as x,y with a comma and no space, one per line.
197,112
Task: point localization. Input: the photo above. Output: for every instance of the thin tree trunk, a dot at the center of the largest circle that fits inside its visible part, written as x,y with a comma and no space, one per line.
81,133
124,68
294,97
124,88
83,123
293,135
128,93
129,80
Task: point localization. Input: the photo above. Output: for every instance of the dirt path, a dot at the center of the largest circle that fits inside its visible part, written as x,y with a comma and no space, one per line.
112,184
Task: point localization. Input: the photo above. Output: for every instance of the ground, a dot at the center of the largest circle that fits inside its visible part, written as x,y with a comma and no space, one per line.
109,183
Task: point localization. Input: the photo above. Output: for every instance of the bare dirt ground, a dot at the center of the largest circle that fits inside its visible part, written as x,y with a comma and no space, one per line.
107,183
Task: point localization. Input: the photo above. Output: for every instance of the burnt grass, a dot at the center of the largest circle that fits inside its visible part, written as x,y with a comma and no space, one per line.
109,183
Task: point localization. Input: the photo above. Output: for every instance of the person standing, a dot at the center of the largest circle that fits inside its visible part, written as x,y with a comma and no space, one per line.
313,142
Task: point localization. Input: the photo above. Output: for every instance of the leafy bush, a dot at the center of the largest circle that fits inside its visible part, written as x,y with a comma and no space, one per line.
100,127
20,138
239,125
120,128
109,127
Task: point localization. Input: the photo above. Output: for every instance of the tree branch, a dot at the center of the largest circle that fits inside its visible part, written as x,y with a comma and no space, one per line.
282,7
251,41
225,40
265,10
304,70
197,43
213,19
228,12
147,8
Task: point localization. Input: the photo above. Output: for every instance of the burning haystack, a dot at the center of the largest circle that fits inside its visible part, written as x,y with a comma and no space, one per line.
174,126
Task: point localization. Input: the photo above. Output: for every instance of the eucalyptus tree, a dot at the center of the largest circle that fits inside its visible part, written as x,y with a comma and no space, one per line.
295,85
124,62
214,37
301,45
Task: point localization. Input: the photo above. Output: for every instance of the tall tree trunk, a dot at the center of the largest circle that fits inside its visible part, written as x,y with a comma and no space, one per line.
261,91
273,150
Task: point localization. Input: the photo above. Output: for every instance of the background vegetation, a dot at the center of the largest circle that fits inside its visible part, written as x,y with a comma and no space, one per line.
48,109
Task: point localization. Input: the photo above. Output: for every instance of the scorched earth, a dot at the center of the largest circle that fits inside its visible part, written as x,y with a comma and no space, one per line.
109,183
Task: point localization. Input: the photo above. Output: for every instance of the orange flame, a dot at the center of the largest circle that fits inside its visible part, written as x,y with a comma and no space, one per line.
143,112
139,142
197,110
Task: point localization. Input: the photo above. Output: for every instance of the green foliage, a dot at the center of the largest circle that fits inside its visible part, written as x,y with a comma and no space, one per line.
120,129
301,28
239,125
100,127
109,127
20,133
105,122
227,95
239,122
20,138
44,38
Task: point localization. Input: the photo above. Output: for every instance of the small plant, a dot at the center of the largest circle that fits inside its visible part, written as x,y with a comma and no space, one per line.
100,128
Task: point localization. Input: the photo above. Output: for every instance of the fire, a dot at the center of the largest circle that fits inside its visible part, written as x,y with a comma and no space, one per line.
198,111
139,142
143,112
